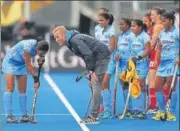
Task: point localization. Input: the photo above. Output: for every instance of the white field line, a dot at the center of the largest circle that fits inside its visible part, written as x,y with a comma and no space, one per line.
58,92
42,114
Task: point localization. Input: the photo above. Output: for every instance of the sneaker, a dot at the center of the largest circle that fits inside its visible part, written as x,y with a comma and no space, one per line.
90,120
171,117
139,115
11,119
105,115
24,119
101,109
151,110
128,114
158,115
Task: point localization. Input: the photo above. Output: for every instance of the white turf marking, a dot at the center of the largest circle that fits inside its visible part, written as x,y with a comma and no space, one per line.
65,101
43,114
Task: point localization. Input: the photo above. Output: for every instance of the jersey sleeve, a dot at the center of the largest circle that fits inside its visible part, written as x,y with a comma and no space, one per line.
146,38
29,45
112,33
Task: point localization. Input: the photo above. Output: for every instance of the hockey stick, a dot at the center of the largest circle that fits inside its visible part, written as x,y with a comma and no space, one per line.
83,74
89,103
127,101
146,98
115,89
170,93
32,119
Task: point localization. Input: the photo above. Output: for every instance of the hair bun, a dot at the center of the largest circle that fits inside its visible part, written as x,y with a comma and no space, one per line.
162,11
172,12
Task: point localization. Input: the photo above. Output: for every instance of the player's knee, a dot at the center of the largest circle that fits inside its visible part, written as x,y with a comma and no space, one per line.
22,89
9,87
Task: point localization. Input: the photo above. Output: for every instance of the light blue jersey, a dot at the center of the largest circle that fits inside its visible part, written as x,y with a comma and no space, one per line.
14,62
170,51
138,46
104,34
124,49
170,43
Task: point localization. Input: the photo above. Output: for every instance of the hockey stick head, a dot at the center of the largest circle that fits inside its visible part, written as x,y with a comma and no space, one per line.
33,120
78,78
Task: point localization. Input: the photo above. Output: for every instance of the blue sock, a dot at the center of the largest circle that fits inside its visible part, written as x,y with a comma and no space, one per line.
106,99
173,102
125,93
161,101
8,102
23,103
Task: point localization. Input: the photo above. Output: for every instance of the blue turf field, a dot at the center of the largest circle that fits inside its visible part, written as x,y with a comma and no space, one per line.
53,115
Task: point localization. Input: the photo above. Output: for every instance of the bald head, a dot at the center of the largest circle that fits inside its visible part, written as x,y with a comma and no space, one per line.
59,33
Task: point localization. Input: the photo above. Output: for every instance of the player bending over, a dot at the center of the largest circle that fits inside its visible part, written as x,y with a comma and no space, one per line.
96,56
15,65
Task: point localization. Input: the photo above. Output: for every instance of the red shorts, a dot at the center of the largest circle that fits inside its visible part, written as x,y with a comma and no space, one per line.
152,58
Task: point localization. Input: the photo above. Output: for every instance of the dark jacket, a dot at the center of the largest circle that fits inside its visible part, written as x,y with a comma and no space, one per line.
88,48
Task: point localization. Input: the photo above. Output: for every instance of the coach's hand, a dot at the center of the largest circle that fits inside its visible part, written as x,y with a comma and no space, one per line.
94,78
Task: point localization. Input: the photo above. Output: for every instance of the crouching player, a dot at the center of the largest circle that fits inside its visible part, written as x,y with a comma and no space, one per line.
15,65
168,48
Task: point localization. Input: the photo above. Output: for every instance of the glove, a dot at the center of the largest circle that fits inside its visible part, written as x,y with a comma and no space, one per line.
134,59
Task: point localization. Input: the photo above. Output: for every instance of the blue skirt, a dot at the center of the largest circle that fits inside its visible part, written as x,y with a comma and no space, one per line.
13,68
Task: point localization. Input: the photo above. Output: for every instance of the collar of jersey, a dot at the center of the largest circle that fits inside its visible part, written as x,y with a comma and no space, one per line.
68,34
171,30
106,28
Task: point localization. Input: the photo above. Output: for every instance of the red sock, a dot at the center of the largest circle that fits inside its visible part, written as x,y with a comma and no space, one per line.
166,93
153,100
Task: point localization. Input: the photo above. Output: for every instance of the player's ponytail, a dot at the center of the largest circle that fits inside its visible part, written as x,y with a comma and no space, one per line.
111,19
